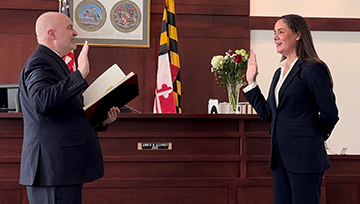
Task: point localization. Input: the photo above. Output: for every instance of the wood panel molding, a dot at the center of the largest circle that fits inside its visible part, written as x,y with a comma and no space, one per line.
229,10
44,5
206,7
316,24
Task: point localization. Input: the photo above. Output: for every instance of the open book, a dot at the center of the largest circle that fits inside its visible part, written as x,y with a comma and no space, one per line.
112,88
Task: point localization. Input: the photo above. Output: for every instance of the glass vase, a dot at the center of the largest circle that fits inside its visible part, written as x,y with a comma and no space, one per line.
233,94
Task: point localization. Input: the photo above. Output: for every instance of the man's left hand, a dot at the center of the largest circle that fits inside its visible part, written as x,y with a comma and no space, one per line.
112,115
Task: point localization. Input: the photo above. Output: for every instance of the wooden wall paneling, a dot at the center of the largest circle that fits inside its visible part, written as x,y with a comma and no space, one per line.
44,5
206,7
17,19
257,150
24,198
113,146
14,52
198,83
343,166
323,192
198,195
10,184
10,151
18,22
11,127
10,146
169,169
9,170
234,165
258,146
342,180
214,28
18,41
208,36
343,193
170,123
254,127
10,197
262,23
258,168
263,193
163,182
252,195
240,3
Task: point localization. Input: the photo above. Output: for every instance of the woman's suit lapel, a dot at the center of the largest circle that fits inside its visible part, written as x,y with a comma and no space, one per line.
293,72
271,95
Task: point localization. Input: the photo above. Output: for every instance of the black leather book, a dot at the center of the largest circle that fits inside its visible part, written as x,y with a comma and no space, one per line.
112,88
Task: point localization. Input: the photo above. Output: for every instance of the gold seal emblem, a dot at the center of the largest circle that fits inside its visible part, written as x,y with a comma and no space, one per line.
90,15
125,16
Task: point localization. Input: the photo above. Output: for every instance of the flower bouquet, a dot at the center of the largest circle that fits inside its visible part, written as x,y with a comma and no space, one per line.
229,71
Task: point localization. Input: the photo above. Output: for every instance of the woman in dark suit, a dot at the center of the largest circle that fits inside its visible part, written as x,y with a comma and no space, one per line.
302,110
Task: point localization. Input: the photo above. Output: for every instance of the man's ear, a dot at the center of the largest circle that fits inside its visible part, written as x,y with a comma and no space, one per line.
51,34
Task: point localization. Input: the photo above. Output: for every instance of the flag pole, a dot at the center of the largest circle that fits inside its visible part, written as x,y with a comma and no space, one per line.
60,6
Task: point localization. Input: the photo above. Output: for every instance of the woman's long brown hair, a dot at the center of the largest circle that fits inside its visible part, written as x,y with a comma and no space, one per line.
305,49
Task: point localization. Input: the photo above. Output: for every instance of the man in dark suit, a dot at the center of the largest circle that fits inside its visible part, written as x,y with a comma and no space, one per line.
61,150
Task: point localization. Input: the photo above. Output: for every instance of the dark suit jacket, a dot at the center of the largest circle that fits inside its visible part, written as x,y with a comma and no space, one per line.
306,114
60,147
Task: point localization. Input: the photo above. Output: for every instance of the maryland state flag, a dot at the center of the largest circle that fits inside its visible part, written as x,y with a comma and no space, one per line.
69,58
168,86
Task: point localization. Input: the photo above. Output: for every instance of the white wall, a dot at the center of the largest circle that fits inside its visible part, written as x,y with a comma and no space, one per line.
340,50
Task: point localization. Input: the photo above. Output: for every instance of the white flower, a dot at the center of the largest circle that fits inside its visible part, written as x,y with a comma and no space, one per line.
217,61
230,68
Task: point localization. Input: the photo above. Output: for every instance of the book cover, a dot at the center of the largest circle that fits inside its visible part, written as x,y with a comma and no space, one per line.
112,88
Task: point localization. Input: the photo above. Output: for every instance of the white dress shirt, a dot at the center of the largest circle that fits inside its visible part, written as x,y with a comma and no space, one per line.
280,82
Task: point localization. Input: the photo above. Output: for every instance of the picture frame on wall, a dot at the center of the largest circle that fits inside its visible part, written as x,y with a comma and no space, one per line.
119,23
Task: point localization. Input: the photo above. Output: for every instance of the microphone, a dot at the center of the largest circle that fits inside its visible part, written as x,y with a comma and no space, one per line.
132,109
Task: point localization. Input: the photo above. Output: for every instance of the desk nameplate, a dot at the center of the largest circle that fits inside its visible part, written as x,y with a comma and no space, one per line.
154,146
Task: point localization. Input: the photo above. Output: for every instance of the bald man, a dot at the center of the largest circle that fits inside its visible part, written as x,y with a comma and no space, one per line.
60,150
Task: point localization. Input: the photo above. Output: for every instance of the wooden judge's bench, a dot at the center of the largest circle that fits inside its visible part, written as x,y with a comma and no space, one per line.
179,159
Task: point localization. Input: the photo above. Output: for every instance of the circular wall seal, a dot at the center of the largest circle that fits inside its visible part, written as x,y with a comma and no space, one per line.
125,16
90,15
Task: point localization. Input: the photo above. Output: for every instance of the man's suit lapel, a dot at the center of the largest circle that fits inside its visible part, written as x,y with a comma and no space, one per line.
63,65
296,68
58,59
